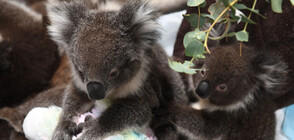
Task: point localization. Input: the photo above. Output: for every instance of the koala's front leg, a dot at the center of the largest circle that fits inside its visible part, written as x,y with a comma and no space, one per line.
75,103
122,115
187,120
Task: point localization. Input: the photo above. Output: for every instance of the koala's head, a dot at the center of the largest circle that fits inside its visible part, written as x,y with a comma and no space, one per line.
229,81
106,48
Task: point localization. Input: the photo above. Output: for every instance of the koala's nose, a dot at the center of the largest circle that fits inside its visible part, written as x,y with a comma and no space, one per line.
203,89
95,90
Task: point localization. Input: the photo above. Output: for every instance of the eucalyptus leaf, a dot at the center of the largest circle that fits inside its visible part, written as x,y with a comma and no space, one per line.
216,9
194,3
201,56
203,4
244,18
240,6
276,5
208,16
242,36
188,64
244,7
193,20
189,37
193,35
227,2
179,67
201,35
194,48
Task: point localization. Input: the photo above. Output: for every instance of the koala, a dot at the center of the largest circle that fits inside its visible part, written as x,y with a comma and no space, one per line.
235,95
15,115
163,6
113,55
28,57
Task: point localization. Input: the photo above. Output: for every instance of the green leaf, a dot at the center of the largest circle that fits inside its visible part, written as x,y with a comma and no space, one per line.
242,36
208,16
193,35
179,67
292,1
188,38
201,56
276,5
201,35
203,4
244,7
244,18
227,2
194,49
216,9
188,64
193,20
240,6
194,3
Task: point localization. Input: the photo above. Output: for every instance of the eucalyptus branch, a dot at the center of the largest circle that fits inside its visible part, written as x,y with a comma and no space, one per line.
191,61
253,7
211,27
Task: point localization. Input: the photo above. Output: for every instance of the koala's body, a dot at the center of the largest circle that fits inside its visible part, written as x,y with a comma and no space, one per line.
113,55
28,57
236,96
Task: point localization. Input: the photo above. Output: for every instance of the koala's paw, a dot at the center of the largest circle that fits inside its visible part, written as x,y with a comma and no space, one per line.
61,135
70,130
90,133
12,117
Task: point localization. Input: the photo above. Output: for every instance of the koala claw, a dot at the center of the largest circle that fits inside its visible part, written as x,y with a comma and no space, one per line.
90,134
61,135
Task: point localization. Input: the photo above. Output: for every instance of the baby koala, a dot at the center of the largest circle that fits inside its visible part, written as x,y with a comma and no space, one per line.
113,55
236,96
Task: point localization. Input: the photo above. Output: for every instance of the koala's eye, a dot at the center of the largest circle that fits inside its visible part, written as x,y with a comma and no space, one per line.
221,88
113,74
203,72
81,75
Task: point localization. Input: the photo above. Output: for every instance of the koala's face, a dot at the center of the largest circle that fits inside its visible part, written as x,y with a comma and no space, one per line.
226,79
106,48
230,81
104,57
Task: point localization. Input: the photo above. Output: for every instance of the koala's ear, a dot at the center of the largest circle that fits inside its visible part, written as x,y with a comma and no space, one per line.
272,71
138,19
64,17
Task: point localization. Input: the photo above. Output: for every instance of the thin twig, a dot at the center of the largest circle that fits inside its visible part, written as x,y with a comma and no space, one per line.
245,27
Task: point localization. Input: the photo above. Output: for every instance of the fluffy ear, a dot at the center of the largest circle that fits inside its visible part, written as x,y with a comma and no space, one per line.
138,19
272,71
65,18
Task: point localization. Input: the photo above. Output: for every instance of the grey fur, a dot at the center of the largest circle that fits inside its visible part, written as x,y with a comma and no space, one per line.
246,109
99,42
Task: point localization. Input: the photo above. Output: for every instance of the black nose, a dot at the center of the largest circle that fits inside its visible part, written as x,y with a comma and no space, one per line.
203,89
95,90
